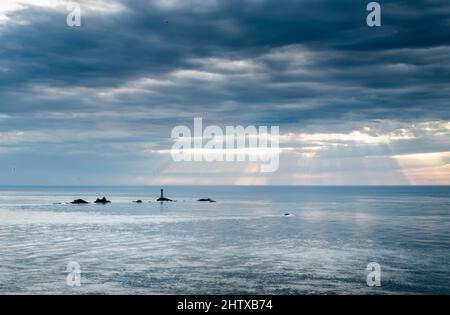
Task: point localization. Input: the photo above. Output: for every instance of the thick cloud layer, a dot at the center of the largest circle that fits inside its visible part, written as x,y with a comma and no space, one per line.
113,89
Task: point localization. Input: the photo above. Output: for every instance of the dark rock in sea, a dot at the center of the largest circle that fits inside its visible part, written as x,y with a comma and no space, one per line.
206,200
103,200
79,201
162,198
138,201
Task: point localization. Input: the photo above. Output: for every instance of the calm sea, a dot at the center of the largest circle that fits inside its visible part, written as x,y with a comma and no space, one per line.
242,244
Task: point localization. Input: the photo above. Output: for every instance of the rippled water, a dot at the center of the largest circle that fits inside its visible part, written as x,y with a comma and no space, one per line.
243,244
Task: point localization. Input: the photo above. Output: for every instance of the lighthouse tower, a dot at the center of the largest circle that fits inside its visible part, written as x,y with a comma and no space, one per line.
162,198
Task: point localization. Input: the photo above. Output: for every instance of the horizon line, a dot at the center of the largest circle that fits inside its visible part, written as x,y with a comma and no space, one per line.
225,185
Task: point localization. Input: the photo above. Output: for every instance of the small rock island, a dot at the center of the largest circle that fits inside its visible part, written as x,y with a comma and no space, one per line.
102,201
79,201
206,200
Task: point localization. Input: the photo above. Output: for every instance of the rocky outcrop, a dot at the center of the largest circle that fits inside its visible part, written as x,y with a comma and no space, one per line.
102,201
79,201
138,201
206,200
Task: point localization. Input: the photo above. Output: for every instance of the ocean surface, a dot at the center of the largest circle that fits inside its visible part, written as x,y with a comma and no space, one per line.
242,244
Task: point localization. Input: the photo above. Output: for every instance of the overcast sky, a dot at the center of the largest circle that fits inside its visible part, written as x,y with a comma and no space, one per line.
96,104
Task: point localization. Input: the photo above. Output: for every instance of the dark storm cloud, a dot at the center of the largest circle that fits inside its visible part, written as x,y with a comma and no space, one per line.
123,80
402,66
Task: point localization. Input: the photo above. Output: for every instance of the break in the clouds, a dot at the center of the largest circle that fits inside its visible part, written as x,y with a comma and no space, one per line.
96,104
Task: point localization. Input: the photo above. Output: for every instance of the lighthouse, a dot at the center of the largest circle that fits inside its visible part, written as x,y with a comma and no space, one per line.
162,198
